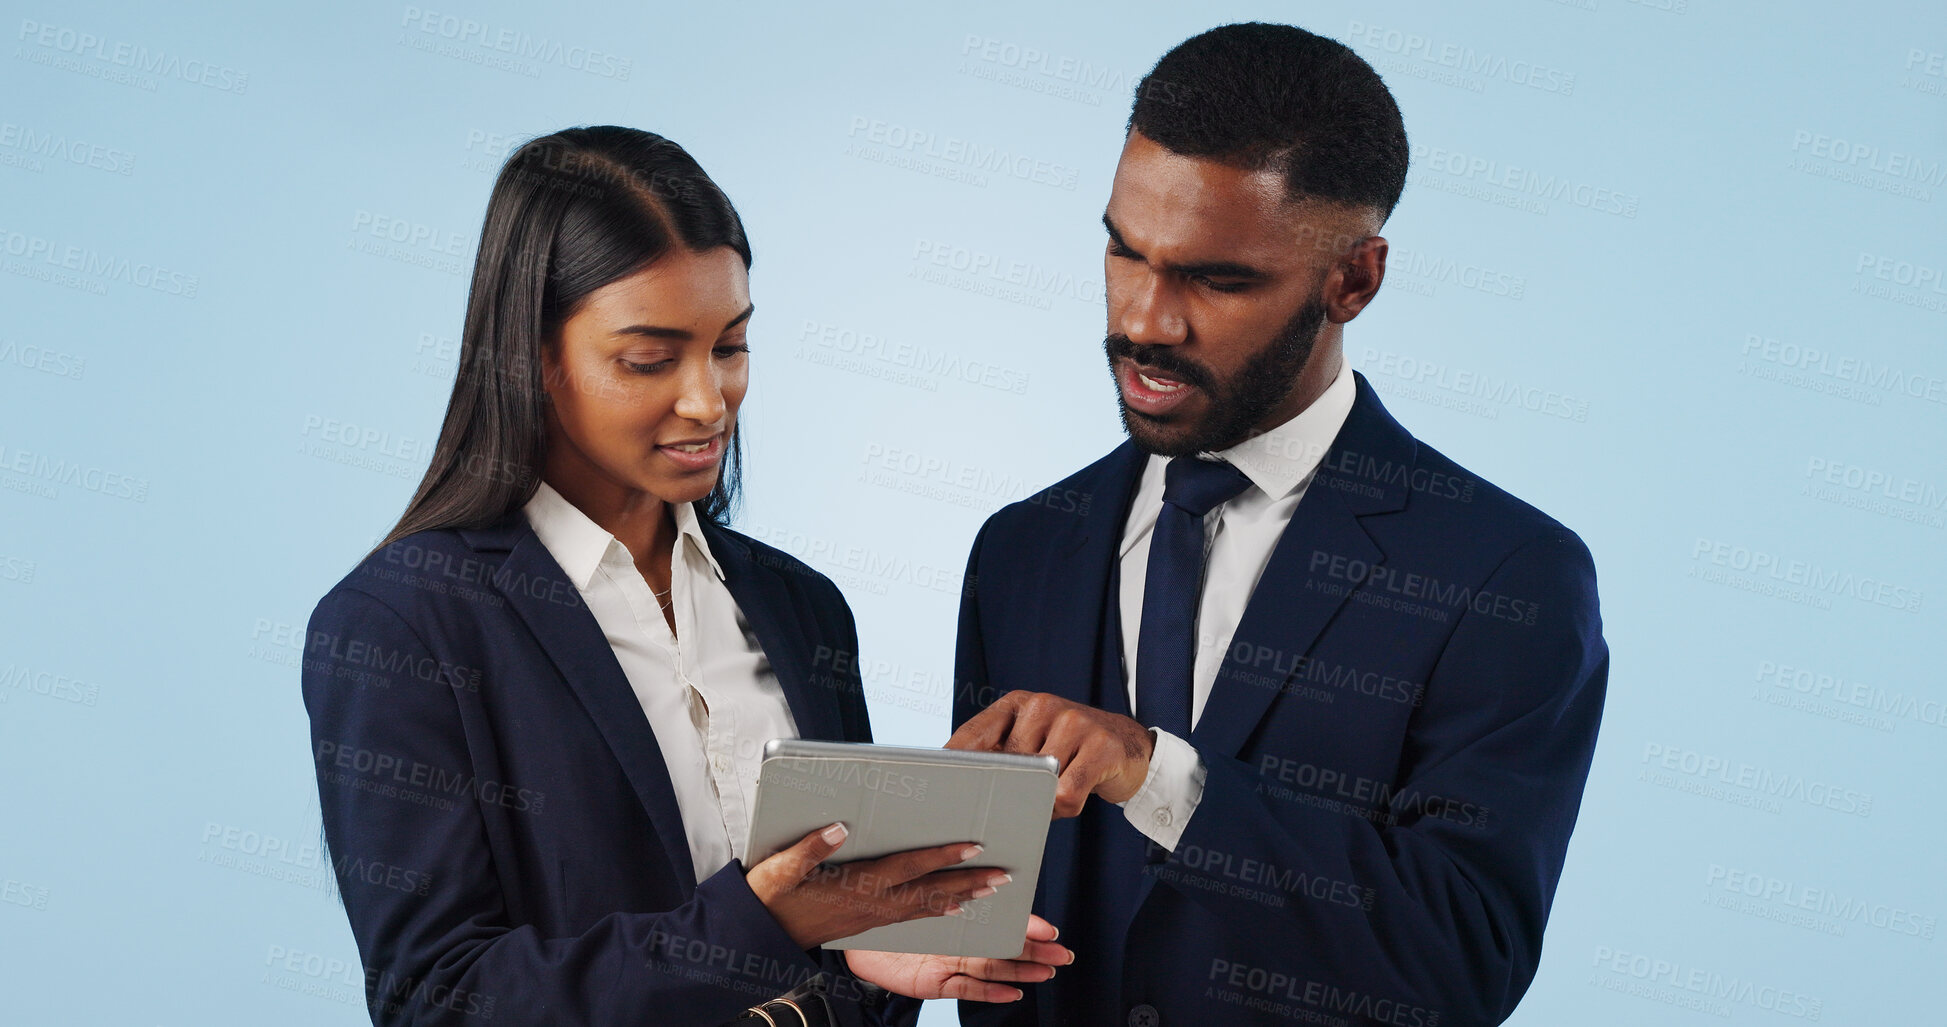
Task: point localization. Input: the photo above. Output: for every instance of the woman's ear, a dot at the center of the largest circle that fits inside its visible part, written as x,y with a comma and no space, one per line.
551,372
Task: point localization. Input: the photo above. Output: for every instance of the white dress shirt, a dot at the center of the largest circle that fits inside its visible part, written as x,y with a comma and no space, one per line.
708,690
1238,538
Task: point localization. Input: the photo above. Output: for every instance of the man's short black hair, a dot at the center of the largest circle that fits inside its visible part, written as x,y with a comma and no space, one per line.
1260,96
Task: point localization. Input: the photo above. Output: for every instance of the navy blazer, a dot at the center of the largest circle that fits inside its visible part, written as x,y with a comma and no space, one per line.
498,813
1396,746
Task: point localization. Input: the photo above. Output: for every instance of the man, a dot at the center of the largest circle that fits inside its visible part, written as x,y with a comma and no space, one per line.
1324,701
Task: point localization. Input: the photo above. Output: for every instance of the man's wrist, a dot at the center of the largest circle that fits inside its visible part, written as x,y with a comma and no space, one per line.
1149,770
1170,791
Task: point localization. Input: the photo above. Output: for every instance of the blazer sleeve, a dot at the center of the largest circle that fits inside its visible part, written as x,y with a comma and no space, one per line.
1451,884
848,691
971,690
450,951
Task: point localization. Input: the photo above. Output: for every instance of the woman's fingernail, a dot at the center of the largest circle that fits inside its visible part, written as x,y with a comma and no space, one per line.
981,893
971,851
999,879
953,909
834,834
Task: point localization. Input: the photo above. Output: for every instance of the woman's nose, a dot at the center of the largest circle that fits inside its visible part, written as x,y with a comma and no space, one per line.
699,394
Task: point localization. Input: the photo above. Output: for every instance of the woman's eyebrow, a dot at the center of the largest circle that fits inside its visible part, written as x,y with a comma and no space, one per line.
681,334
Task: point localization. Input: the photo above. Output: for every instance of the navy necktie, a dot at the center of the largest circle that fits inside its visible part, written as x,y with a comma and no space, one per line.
1167,647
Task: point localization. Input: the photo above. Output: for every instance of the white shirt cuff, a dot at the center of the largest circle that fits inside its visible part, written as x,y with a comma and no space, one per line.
1161,808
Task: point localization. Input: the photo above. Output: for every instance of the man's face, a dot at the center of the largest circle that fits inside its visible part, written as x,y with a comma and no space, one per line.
1217,290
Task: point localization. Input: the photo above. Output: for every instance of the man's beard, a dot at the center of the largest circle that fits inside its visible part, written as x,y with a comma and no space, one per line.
1235,406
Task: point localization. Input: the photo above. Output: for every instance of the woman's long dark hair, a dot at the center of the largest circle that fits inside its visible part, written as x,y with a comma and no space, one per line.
570,213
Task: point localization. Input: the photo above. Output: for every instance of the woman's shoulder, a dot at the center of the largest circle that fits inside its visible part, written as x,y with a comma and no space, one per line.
795,573
418,573
420,609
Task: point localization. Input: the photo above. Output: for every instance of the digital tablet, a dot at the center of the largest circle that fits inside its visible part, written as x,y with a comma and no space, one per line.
892,799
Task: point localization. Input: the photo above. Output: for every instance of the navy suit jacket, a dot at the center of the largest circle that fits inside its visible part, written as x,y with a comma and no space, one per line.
498,813
1396,746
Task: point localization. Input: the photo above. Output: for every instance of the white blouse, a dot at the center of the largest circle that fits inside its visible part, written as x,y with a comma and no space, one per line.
708,690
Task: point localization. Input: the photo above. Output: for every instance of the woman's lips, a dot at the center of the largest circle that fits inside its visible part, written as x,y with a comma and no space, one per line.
693,456
1149,393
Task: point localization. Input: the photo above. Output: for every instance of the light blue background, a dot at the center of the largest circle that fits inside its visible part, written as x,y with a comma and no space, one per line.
158,859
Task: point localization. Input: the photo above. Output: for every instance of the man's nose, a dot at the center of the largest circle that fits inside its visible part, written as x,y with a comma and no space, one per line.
1151,313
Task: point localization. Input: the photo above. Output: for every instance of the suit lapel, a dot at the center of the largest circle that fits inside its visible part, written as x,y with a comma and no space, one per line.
1074,593
761,594
1314,568
541,593
1067,603
1290,606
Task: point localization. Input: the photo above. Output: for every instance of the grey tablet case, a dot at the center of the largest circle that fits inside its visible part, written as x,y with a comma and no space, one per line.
892,799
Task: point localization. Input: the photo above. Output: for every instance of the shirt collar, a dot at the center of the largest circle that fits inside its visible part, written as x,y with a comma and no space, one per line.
688,527
1277,462
1282,459
580,545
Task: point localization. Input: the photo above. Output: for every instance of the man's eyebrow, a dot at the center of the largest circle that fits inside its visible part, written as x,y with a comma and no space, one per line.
1221,269
1114,236
1207,269
681,334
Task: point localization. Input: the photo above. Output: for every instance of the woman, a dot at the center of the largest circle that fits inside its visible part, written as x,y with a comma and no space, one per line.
538,707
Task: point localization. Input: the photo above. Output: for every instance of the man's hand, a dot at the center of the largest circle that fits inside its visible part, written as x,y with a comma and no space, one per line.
977,980
1100,753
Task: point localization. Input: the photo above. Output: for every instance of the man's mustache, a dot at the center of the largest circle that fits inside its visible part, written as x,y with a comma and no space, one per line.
1161,359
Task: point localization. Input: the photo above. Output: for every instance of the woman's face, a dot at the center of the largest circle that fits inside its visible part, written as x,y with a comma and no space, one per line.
645,379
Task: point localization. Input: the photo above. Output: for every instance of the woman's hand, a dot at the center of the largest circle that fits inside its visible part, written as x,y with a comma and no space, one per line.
816,904
917,976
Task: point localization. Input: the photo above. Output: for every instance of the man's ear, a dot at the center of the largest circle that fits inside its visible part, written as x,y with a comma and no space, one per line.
1355,279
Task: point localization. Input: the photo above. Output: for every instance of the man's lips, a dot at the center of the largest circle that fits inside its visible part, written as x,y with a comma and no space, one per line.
1151,392
694,454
